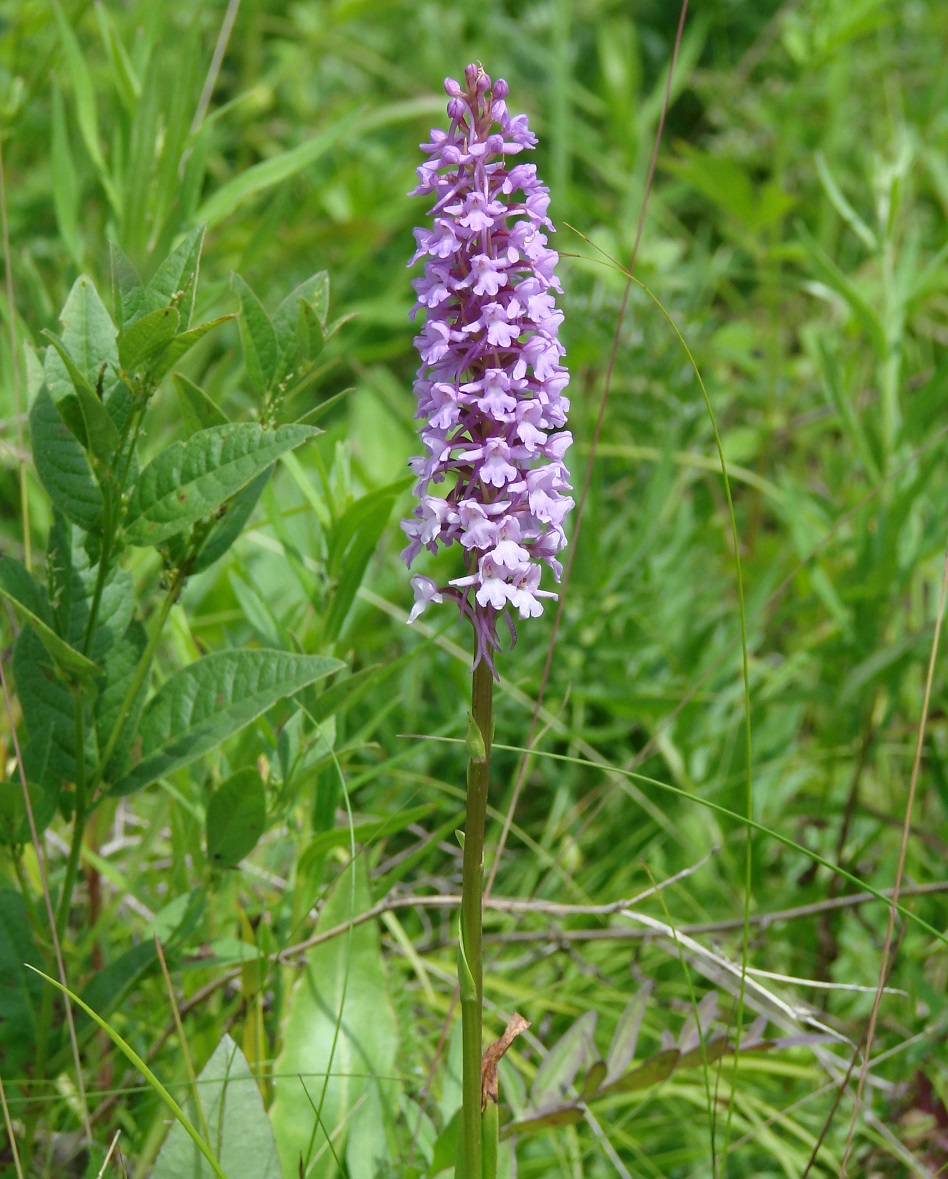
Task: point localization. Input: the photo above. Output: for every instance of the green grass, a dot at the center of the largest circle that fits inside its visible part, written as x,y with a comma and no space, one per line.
796,237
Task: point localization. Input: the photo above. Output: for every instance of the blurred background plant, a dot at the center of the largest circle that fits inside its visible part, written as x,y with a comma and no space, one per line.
796,233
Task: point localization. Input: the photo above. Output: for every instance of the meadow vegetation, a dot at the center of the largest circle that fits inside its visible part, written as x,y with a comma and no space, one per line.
234,744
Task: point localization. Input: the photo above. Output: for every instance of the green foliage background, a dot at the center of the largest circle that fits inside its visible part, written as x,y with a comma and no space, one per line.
796,235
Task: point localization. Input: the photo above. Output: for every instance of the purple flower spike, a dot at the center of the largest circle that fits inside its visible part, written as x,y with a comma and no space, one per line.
490,386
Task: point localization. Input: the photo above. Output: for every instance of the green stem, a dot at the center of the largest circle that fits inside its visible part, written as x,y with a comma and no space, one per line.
472,996
141,671
69,880
105,556
79,822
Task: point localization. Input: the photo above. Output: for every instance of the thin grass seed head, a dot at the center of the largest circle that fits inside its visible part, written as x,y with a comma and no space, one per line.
491,380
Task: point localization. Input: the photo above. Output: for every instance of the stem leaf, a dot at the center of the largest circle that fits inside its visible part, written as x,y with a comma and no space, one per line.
206,702
193,478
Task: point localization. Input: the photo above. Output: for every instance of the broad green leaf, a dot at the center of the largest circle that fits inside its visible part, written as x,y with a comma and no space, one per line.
236,818
372,1143
563,1061
206,702
229,526
14,823
146,336
20,993
180,346
300,322
120,663
626,1037
340,1022
175,922
88,335
258,337
65,181
233,1111
175,280
314,291
197,409
18,587
191,479
79,404
115,612
48,710
264,175
128,291
310,336
84,96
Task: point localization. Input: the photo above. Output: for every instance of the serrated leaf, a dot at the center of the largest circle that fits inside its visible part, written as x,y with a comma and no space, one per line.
258,337
19,588
563,1061
627,1033
197,408
146,336
79,406
340,1021
236,818
62,466
652,1071
233,1110
206,702
191,479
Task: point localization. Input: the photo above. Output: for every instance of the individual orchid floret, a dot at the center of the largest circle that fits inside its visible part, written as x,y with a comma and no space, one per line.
491,381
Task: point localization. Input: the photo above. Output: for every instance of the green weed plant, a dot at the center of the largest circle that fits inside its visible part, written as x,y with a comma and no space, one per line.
232,777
